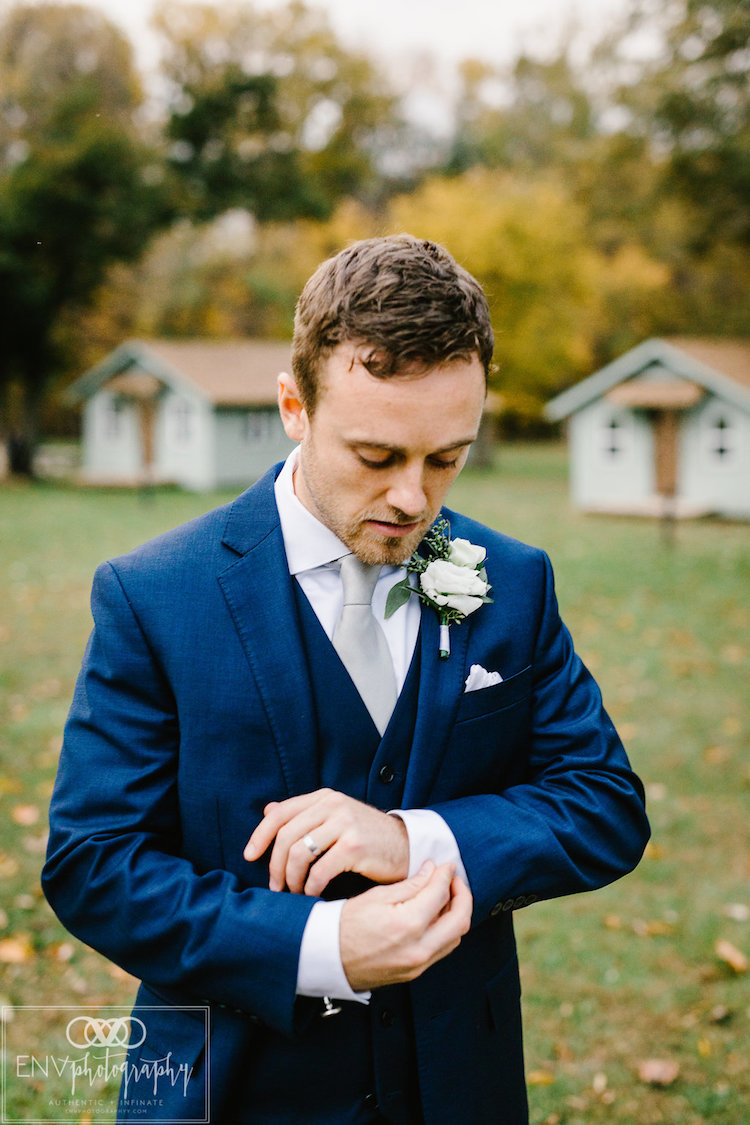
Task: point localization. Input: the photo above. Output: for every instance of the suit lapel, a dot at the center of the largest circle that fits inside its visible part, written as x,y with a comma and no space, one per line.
440,688
258,590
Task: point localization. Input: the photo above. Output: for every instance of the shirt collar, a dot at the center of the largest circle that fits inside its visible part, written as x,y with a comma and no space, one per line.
307,541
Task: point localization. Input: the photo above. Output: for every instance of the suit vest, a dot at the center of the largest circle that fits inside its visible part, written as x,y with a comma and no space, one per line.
358,1066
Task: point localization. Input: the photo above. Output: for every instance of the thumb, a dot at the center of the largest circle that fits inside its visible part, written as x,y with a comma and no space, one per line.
409,888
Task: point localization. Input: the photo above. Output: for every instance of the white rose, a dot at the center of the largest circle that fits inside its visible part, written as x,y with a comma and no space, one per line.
464,553
457,587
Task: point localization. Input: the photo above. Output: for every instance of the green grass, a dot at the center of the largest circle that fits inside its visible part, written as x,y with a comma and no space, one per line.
611,979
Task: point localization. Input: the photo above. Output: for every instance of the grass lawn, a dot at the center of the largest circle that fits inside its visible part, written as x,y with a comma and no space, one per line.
647,970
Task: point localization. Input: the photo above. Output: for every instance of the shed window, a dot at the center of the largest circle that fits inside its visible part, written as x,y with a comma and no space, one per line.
182,412
113,418
614,436
722,440
257,425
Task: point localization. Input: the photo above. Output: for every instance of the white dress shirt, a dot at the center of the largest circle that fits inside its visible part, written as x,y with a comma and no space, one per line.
312,551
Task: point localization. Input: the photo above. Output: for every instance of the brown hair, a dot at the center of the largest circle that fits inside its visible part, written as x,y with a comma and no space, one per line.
404,297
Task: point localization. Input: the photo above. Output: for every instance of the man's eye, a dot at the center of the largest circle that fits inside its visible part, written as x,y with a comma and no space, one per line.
440,464
375,464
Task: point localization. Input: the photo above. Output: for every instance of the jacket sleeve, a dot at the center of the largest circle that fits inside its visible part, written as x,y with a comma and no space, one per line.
115,874
576,820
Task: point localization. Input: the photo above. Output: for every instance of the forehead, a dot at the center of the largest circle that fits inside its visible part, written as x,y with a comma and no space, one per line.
346,387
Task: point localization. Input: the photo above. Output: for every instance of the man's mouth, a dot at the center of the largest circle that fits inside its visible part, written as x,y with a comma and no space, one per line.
394,530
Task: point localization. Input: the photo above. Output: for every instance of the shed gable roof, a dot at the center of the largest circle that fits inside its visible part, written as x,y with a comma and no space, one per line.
224,372
720,366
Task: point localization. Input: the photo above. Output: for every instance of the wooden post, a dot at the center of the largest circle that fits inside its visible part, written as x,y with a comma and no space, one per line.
666,437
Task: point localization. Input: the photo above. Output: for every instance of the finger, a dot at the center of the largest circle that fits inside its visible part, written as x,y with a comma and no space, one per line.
291,857
444,934
334,861
294,869
400,892
433,895
276,814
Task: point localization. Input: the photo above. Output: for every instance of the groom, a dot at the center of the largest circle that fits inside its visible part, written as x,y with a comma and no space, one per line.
278,806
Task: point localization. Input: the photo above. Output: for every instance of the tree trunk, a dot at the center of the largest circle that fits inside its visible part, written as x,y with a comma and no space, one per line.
23,404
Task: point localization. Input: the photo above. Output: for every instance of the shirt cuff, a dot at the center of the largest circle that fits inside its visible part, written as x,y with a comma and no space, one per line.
320,972
430,838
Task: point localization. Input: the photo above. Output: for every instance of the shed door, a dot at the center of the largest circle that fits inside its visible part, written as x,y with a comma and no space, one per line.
666,430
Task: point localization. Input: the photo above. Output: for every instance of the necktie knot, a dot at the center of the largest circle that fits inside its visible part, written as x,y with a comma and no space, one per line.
359,580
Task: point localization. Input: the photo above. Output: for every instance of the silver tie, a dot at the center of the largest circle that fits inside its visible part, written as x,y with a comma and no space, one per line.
361,644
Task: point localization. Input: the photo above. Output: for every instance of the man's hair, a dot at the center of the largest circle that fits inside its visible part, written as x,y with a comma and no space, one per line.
404,297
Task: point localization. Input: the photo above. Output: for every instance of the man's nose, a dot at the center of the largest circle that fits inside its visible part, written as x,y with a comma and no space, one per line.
406,491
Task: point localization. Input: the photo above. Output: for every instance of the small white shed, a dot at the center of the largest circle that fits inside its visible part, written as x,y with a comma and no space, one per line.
664,430
198,413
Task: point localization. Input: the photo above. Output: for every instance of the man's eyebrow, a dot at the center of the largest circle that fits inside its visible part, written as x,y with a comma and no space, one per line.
387,447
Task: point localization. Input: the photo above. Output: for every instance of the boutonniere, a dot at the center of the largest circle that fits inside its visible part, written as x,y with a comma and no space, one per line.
450,578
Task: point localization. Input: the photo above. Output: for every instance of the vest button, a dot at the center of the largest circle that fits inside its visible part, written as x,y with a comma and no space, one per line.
386,774
387,1017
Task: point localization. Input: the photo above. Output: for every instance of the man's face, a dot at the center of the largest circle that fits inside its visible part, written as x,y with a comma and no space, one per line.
379,455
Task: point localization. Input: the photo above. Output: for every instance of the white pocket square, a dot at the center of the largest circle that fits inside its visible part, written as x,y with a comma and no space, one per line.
479,678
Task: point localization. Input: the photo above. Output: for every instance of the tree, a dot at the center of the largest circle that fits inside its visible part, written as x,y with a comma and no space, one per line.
525,242
268,112
693,103
79,190
535,115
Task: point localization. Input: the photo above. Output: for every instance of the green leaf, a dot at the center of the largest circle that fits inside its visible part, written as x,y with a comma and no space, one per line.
398,595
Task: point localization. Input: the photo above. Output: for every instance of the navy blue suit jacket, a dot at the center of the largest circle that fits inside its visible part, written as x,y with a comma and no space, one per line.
193,710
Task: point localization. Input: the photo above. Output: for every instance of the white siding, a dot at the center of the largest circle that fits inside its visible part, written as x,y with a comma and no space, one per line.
184,441
111,439
715,459
247,443
612,467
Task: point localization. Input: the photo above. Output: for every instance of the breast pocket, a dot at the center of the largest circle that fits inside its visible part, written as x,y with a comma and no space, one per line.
498,697
489,743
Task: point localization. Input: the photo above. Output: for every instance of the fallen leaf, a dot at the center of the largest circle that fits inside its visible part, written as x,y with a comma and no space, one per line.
8,866
653,928
15,950
599,1083
731,956
704,1048
36,845
25,815
540,1078
119,974
716,755
737,911
612,922
658,1072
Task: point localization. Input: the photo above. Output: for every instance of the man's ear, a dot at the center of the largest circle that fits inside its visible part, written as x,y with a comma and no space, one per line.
293,413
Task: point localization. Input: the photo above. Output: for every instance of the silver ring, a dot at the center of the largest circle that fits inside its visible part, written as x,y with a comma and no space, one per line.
310,844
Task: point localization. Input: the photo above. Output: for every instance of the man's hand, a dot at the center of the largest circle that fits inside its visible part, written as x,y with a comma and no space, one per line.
392,934
348,835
